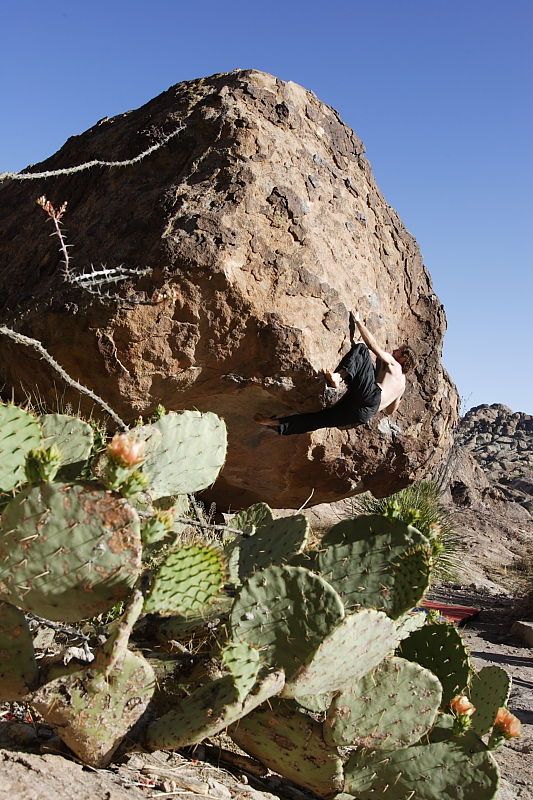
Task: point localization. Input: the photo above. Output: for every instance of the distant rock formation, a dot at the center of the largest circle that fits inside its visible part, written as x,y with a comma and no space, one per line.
490,485
252,226
501,443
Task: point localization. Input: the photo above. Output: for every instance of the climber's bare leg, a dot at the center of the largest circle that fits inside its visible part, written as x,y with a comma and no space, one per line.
268,422
334,378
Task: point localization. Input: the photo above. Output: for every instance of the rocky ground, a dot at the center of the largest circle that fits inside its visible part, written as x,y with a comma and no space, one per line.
492,507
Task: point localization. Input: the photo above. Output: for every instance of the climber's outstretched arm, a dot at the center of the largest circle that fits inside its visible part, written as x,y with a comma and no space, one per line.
370,341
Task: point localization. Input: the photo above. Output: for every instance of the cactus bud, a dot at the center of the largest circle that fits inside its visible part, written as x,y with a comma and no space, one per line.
462,709
157,527
159,412
42,464
135,482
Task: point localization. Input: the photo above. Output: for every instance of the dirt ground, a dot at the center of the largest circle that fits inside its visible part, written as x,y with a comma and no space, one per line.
34,765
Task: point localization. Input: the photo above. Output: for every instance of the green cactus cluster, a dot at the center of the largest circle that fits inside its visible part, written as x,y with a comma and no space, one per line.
312,659
375,562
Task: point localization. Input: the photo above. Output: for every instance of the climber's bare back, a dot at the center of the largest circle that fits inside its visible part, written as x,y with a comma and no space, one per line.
392,382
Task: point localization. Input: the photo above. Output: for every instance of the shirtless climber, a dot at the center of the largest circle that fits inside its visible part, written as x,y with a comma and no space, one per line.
370,388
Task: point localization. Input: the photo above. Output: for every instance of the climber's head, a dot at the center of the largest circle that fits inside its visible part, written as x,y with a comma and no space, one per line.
405,357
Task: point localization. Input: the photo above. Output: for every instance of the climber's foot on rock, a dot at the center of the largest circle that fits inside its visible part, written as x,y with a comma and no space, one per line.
268,422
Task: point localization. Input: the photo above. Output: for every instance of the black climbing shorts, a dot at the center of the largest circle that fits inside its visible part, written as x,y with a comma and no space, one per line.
356,407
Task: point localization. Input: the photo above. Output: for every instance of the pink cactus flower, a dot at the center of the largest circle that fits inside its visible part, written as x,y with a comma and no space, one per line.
462,706
125,449
506,724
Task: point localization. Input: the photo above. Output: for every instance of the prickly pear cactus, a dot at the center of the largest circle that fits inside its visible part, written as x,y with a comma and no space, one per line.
389,708
356,646
95,707
252,518
243,662
19,433
209,710
440,649
273,542
181,628
317,703
155,531
115,648
163,522
68,552
285,612
375,562
18,667
42,464
187,582
187,456
291,743
406,624
489,690
453,770
73,437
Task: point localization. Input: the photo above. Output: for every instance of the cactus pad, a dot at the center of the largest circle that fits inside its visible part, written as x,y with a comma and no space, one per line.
68,552
376,562
18,667
178,628
95,707
489,691
252,518
209,710
272,543
317,703
19,433
188,455
243,662
92,712
285,612
73,437
391,707
440,649
454,770
356,646
290,743
187,582
406,624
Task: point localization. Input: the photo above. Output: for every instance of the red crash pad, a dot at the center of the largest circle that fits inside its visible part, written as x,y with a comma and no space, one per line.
456,614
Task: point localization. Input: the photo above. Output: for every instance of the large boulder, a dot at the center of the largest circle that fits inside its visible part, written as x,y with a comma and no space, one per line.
252,226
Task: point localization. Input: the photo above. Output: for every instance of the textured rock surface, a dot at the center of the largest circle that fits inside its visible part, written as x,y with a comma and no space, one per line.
501,442
262,226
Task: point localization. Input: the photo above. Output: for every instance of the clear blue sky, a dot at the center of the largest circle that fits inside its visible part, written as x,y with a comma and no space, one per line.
440,91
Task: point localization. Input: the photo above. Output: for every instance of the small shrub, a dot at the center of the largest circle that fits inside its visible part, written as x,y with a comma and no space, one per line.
420,505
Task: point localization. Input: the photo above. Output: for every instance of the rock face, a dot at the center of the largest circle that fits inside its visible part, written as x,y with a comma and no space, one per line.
501,443
488,482
252,230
